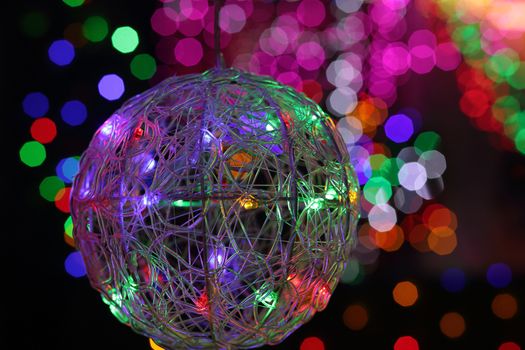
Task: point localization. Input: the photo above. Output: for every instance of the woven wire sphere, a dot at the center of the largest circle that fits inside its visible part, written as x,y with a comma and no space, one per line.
215,210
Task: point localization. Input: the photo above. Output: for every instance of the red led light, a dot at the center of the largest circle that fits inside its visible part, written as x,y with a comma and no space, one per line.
312,343
406,343
62,200
43,130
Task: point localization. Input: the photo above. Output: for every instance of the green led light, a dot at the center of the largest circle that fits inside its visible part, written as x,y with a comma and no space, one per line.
389,170
376,162
73,3
377,190
125,39
35,24
95,29
353,273
427,141
50,186
268,298
315,204
517,78
519,141
504,107
143,66
115,304
186,204
331,194
68,227
32,153
466,33
502,64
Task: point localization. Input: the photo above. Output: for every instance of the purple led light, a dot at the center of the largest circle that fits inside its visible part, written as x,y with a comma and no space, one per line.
311,13
35,104
111,87
310,55
396,59
422,59
61,52
499,275
164,21
399,128
75,265
67,168
188,51
448,56
74,112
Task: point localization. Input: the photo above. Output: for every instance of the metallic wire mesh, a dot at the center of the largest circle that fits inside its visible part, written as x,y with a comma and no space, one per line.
215,211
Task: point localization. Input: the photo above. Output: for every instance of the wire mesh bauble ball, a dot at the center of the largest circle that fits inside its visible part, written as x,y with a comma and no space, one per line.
215,210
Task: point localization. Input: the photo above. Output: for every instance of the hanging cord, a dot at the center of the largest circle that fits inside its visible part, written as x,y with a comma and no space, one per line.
219,59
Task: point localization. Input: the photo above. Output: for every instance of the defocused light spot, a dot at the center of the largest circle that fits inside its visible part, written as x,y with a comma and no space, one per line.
382,217
32,153
474,103
405,293
390,240
125,39
377,190
437,215
188,51
418,238
310,55
62,199
399,128
95,29
499,275
406,343
49,187
412,176
452,325
67,168
164,21
519,141
407,201
311,13
43,130
74,112
349,6
342,101
434,163
143,66
35,104
509,346
232,18
194,9
396,59
73,3
74,265
111,87
442,240
68,227
352,272
61,52
355,317
312,343
448,56
427,141
504,306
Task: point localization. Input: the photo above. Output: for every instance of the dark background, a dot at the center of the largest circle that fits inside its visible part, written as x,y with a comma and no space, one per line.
44,307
